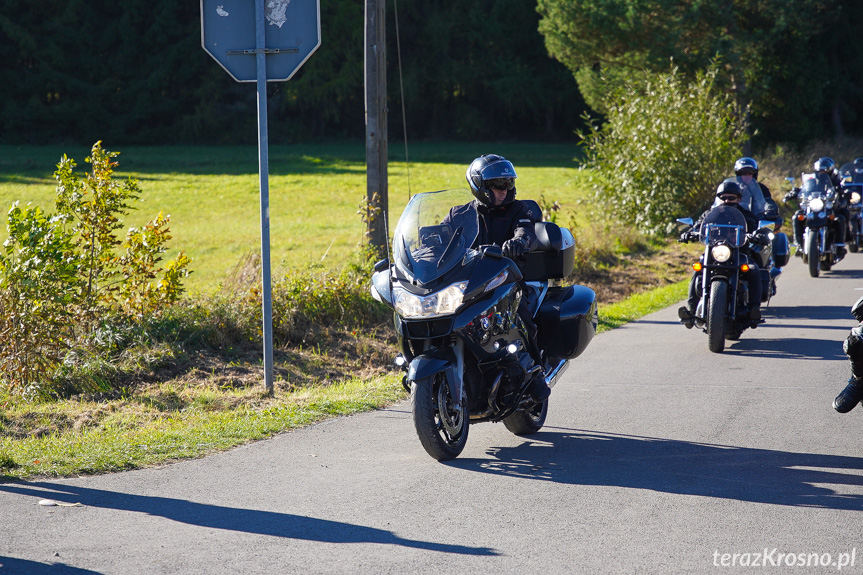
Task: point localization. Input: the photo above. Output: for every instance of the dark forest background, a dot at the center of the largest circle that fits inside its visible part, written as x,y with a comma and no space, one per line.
134,72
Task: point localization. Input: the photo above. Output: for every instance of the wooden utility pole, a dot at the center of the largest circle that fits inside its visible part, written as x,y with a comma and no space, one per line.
376,124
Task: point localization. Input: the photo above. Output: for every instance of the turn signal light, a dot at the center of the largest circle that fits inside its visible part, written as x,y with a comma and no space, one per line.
697,266
744,268
831,217
801,217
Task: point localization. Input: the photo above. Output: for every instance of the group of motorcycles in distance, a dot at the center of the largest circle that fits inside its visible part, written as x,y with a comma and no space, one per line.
828,201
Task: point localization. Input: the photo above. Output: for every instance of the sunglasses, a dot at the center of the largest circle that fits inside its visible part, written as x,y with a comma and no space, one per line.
501,183
746,173
729,197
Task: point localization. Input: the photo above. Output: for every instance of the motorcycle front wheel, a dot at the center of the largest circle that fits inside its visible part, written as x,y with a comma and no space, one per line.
814,252
716,318
441,427
528,421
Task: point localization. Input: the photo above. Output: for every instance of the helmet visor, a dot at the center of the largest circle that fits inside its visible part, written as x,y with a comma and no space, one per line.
500,183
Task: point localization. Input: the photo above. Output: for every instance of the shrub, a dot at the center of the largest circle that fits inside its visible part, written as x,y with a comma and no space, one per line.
65,277
664,148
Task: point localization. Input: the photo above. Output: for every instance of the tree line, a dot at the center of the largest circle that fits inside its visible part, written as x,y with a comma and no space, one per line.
134,72
792,65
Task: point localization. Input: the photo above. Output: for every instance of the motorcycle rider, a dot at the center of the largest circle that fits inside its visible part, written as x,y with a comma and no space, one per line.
761,203
729,194
508,223
827,167
853,346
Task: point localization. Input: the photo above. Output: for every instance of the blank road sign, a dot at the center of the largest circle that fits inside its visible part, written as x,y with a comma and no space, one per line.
293,33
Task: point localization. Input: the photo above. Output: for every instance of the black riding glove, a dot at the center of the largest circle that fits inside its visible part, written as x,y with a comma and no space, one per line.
759,239
685,237
514,248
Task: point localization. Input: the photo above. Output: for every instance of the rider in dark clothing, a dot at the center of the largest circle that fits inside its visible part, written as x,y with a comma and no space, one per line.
508,223
853,346
746,172
729,193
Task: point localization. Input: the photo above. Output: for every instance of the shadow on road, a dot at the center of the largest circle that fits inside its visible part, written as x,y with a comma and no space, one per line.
11,565
580,457
232,519
788,348
819,313
844,273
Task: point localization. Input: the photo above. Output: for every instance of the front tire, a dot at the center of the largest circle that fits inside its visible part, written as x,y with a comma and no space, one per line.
716,318
814,252
441,428
528,421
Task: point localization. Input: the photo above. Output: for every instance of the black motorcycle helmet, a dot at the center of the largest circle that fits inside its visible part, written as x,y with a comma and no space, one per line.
489,167
729,187
826,165
857,309
746,164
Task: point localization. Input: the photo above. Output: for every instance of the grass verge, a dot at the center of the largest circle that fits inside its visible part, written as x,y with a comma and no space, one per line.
169,422
146,430
639,305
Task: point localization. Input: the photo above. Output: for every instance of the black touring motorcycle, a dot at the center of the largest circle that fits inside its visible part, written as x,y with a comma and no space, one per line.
463,345
722,310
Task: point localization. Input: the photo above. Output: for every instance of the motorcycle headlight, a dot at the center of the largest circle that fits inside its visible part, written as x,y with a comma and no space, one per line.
439,303
816,204
855,197
721,253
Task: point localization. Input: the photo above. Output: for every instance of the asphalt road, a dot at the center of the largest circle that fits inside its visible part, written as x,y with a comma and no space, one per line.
657,457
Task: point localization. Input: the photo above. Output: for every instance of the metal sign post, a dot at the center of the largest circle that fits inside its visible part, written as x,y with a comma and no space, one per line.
284,34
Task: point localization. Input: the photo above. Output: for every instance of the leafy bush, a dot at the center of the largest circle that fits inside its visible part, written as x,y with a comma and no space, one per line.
64,277
664,148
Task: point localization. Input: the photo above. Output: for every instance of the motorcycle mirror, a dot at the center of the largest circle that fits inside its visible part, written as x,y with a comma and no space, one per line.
492,251
789,179
687,221
382,265
766,224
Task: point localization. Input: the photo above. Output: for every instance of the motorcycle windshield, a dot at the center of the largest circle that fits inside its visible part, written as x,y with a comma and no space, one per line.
431,238
724,225
816,185
852,173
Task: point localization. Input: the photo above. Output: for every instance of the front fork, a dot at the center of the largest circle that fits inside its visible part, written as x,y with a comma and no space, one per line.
822,240
446,360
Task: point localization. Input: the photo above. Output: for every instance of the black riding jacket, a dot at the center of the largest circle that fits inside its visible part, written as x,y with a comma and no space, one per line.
501,223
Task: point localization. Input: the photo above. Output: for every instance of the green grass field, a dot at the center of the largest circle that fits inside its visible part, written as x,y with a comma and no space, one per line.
212,193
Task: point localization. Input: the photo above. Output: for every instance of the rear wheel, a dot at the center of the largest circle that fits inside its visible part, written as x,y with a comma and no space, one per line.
441,427
814,252
528,421
716,318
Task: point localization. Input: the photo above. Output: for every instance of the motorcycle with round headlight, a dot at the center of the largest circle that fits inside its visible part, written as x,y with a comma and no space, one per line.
463,345
852,175
816,199
722,310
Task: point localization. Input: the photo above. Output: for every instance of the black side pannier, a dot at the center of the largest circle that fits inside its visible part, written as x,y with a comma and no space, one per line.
567,321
